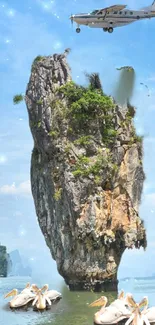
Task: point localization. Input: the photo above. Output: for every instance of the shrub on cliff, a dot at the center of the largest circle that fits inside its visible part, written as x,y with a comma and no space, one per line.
86,104
18,98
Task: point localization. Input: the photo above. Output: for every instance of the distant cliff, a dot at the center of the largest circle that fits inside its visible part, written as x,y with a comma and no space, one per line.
9,264
3,261
18,269
86,174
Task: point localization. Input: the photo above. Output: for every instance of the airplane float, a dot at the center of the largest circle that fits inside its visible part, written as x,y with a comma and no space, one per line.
112,17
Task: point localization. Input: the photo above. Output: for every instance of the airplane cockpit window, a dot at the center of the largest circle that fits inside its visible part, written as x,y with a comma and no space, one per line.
131,13
94,12
120,12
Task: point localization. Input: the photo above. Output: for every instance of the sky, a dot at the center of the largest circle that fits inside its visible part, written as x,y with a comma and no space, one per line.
37,27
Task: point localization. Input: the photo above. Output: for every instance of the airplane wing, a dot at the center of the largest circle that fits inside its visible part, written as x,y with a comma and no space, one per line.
116,7
111,8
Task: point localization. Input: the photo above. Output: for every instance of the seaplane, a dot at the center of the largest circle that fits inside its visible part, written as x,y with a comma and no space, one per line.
112,17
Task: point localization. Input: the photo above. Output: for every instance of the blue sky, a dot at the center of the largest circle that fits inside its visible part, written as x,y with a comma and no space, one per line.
36,27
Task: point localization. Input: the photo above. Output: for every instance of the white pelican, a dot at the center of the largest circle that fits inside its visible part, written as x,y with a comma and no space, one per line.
22,298
40,300
150,314
138,317
53,295
112,314
121,302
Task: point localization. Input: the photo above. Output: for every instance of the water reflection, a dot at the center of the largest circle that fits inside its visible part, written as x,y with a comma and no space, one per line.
74,309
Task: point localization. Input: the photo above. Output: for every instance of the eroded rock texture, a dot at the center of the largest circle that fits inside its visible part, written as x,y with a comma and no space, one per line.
3,261
87,221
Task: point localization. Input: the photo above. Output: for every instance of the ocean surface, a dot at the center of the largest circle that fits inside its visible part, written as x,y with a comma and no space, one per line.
72,309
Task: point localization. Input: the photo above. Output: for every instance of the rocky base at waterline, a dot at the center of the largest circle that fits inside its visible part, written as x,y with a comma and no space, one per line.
86,174
96,286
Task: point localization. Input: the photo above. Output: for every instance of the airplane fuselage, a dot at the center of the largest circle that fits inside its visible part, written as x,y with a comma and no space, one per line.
112,19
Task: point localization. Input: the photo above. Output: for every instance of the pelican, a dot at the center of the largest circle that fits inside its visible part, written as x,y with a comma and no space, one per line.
28,288
138,317
112,314
149,312
40,300
121,302
20,299
53,295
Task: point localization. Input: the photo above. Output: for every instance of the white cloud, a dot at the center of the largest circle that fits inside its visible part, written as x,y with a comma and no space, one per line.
23,189
3,159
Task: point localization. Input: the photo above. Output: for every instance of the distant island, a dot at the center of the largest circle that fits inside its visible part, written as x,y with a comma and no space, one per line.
11,264
150,277
4,261
18,269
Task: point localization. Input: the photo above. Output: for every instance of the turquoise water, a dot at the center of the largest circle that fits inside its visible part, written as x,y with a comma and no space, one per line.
72,309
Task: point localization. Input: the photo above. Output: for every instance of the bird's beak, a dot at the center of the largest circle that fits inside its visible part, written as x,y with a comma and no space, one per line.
10,294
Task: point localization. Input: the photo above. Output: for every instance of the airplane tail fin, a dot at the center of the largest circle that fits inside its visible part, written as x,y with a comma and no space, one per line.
150,8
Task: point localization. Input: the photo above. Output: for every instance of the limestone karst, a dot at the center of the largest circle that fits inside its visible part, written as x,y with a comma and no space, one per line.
86,175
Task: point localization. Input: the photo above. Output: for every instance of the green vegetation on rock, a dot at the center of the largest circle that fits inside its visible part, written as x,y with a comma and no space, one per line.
87,104
18,98
84,166
84,140
54,134
94,82
57,194
38,58
40,101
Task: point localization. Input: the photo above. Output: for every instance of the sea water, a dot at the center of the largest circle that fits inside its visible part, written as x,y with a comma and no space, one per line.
72,309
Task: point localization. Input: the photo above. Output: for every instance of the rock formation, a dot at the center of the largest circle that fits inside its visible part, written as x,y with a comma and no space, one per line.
3,261
86,174
9,264
18,269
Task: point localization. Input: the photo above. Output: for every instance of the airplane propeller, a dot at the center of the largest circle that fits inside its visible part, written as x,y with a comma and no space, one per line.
71,18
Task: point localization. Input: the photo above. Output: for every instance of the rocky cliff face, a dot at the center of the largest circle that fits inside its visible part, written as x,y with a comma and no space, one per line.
86,175
3,261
